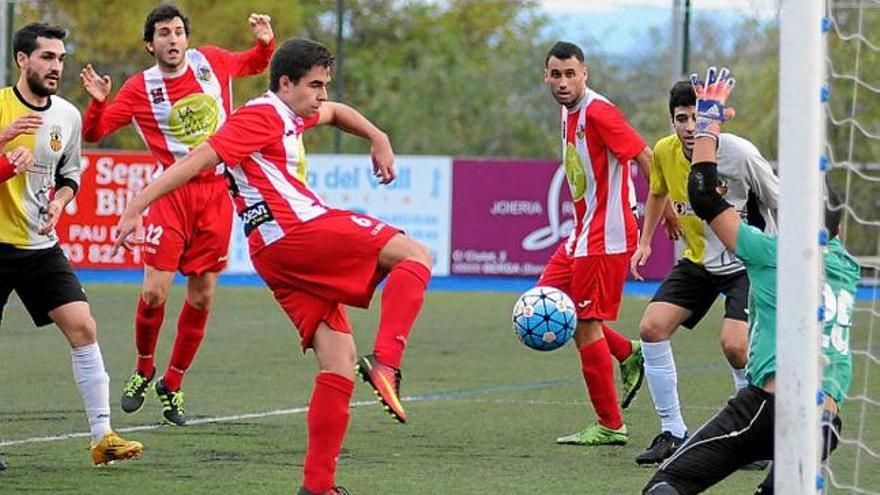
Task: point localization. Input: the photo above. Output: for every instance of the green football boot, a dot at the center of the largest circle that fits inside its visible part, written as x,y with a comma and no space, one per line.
134,391
596,434
172,404
632,373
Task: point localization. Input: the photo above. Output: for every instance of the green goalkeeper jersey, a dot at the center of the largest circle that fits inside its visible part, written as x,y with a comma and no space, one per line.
842,272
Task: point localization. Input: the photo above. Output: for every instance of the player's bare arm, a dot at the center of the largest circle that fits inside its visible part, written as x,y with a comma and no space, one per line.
654,206
351,121
261,27
202,158
703,179
96,85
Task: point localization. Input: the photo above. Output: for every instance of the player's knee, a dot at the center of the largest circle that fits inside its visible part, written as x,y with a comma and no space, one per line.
82,332
340,362
588,331
735,350
652,330
154,296
336,352
200,298
420,254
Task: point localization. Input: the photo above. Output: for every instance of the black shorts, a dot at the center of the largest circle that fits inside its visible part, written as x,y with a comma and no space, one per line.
42,278
738,435
692,287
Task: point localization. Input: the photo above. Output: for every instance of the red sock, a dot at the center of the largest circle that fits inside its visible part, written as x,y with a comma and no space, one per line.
599,375
190,332
147,323
402,299
619,345
327,422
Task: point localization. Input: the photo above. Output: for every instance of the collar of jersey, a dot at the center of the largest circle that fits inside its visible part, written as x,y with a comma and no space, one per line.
28,104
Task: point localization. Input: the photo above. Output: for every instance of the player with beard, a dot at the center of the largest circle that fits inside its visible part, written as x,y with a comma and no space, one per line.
39,175
176,105
597,146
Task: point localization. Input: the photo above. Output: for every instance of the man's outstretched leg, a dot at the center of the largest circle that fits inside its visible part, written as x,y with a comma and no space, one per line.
408,265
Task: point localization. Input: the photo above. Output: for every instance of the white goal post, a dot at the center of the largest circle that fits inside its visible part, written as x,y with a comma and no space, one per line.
798,339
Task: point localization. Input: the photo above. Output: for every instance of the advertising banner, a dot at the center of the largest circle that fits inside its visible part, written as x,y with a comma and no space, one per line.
418,201
509,216
86,230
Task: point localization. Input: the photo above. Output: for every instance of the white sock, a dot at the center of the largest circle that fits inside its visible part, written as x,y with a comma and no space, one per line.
662,380
740,380
94,387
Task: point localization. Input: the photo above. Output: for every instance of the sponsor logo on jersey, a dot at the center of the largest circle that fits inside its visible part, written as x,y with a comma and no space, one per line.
255,215
55,138
585,303
194,118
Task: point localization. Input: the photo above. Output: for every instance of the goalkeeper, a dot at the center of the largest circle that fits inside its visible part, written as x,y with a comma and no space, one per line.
743,431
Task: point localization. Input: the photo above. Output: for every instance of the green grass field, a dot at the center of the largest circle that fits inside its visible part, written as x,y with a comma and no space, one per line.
484,411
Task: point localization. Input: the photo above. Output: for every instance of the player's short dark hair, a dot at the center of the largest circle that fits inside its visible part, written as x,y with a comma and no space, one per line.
295,58
682,94
163,13
833,211
563,50
25,39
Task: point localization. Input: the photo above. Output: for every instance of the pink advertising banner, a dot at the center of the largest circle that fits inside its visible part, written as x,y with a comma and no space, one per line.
508,217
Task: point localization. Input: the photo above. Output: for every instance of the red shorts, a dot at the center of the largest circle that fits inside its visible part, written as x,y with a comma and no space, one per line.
594,283
189,229
322,265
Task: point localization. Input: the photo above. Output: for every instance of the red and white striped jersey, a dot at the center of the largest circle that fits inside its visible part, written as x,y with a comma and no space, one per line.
597,145
174,115
261,145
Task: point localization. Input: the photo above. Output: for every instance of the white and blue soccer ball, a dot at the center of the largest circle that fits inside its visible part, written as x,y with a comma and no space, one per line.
544,318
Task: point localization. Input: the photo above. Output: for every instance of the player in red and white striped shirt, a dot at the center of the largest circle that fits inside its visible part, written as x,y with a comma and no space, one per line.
175,105
591,266
315,258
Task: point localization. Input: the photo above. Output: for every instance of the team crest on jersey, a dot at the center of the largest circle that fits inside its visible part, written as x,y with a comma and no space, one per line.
580,132
204,73
722,186
55,138
157,95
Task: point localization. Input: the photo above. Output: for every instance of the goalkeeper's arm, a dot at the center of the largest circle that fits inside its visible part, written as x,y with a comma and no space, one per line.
703,178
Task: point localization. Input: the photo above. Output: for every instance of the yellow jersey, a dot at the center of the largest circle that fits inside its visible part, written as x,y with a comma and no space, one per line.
741,169
56,146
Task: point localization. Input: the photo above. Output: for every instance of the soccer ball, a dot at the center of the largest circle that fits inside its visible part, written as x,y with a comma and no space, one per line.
544,318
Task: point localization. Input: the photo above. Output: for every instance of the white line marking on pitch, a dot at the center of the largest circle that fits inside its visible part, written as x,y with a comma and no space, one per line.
300,410
217,419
